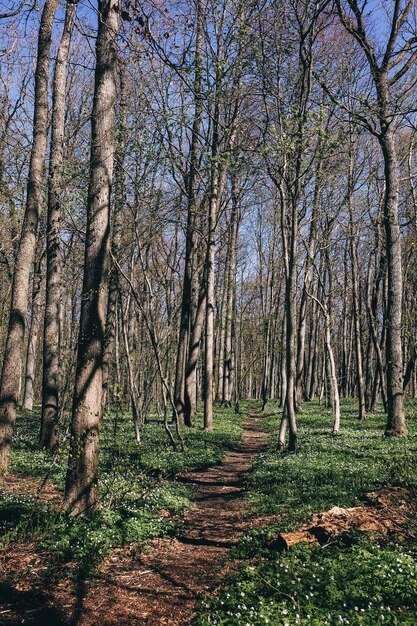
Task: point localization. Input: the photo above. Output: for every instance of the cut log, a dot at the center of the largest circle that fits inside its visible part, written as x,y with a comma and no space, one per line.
388,512
284,541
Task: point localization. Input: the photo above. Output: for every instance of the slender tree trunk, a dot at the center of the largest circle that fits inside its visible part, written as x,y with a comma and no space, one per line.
51,338
369,372
372,298
344,364
136,413
119,193
283,386
266,368
291,318
193,354
307,281
290,253
231,298
186,306
311,383
209,336
409,370
9,383
334,389
386,86
220,334
35,328
396,424
355,292
80,489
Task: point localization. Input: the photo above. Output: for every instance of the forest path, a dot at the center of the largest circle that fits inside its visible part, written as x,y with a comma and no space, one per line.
163,585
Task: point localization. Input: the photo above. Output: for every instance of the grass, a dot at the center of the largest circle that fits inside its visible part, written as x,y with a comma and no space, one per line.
360,584
140,495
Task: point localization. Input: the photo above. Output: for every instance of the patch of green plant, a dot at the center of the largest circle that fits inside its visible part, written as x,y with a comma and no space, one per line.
360,585
87,540
15,511
131,516
354,582
328,471
27,459
155,455
139,495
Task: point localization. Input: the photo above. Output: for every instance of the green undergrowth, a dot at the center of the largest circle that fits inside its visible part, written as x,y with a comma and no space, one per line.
362,584
330,470
140,495
350,582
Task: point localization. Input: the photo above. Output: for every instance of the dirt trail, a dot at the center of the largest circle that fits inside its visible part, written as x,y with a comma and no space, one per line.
165,583
157,588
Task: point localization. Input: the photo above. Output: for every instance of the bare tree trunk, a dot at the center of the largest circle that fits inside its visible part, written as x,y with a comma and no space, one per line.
291,319
409,370
186,306
51,339
307,281
369,374
311,382
220,334
136,413
193,354
215,192
396,424
290,254
9,384
334,389
80,489
344,359
355,290
379,65
371,305
119,192
231,298
209,336
266,368
283,386
35,328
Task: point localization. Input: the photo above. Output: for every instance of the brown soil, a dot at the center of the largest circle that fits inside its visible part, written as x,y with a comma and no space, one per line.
159,587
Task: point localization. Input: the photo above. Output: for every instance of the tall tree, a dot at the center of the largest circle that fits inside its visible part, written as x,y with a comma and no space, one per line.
35,327
387,68
9,383
353,245
81,483
51,340
180,389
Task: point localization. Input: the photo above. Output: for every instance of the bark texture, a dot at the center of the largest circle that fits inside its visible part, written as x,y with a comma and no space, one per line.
51,341
9,384
80,491
183,414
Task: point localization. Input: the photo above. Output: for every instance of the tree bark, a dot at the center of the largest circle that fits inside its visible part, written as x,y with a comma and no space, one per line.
209,335
51,339
193,354
119,193
355,291
184,416
307,281
230,300
80,490
35,327
9,384
396,424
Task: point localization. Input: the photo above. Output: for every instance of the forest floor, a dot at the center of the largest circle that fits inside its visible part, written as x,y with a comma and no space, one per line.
201,536
160,585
